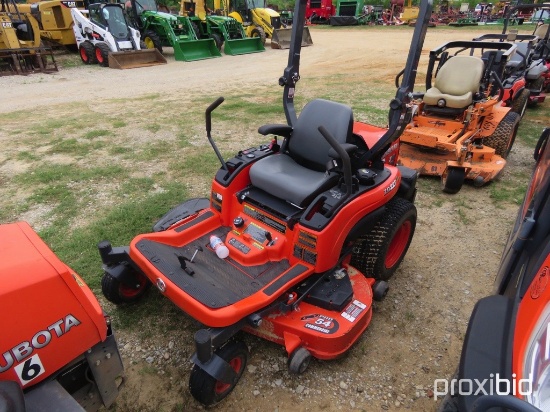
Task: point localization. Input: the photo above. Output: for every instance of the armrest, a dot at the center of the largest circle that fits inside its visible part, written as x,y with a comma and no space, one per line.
283,130
349,148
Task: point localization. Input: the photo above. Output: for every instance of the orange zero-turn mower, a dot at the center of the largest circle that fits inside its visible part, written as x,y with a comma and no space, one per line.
459,129
314,229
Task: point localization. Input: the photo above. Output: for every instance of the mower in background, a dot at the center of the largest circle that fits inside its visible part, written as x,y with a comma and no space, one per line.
505,350
21,50
104,37
538,72
58,351
314,226
459,130
519,71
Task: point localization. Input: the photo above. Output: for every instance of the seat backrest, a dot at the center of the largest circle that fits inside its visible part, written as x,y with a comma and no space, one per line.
460,75
307,146
541,31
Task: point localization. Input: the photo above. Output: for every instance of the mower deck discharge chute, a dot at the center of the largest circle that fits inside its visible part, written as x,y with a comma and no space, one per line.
315,227
459,129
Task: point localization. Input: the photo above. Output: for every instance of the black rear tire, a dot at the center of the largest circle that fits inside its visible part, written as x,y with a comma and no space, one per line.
259,32
152,40
87,53
378,253
452,179
218,40
102,54
117,292
209,391
504,135
520,104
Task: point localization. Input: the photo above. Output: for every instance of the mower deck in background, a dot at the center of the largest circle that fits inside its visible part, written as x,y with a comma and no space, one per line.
316,223
459,129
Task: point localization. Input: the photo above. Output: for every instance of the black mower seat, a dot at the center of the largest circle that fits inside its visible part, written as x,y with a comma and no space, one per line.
456,82
299,174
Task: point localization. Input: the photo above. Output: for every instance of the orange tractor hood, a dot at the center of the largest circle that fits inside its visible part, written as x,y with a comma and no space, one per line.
49,315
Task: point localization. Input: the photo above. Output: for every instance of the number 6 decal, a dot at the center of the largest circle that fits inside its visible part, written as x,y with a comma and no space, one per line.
29,370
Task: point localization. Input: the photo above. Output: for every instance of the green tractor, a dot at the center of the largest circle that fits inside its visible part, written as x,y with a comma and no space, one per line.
159,29
226,31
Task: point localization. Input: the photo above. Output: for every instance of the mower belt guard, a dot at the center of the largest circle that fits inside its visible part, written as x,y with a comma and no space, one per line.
243,46
282,37
191,50
135,58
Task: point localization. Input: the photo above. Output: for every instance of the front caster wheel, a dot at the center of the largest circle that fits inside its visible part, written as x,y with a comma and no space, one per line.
117,292
452,179
380,290
299,361
207,389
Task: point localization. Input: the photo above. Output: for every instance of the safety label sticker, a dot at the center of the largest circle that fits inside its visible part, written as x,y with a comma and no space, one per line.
353,311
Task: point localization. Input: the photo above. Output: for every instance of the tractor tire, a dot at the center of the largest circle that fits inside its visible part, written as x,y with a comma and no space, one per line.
152,40
520,104
87,53
258,32
209,391
452,179
504,135
379,252
218,40
102,54
117,292
142,45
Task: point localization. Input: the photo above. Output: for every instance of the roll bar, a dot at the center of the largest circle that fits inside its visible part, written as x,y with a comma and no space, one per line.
399,106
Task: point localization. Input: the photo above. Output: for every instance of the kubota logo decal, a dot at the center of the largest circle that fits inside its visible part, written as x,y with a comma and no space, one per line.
32,367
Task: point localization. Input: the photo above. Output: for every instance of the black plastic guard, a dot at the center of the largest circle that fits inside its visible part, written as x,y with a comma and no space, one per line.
487,348
180,212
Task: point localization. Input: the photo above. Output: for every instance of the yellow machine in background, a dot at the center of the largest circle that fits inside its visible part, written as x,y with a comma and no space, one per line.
54,19
261,21
410,12
21,50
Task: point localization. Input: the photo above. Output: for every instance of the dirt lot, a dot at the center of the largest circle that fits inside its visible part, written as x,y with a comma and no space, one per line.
416,333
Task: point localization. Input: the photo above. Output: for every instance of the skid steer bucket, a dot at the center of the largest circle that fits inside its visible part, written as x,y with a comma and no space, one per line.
135,58
243,46
281,38
191,50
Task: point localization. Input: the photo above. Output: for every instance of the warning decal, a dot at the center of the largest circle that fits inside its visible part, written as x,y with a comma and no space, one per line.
353,311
